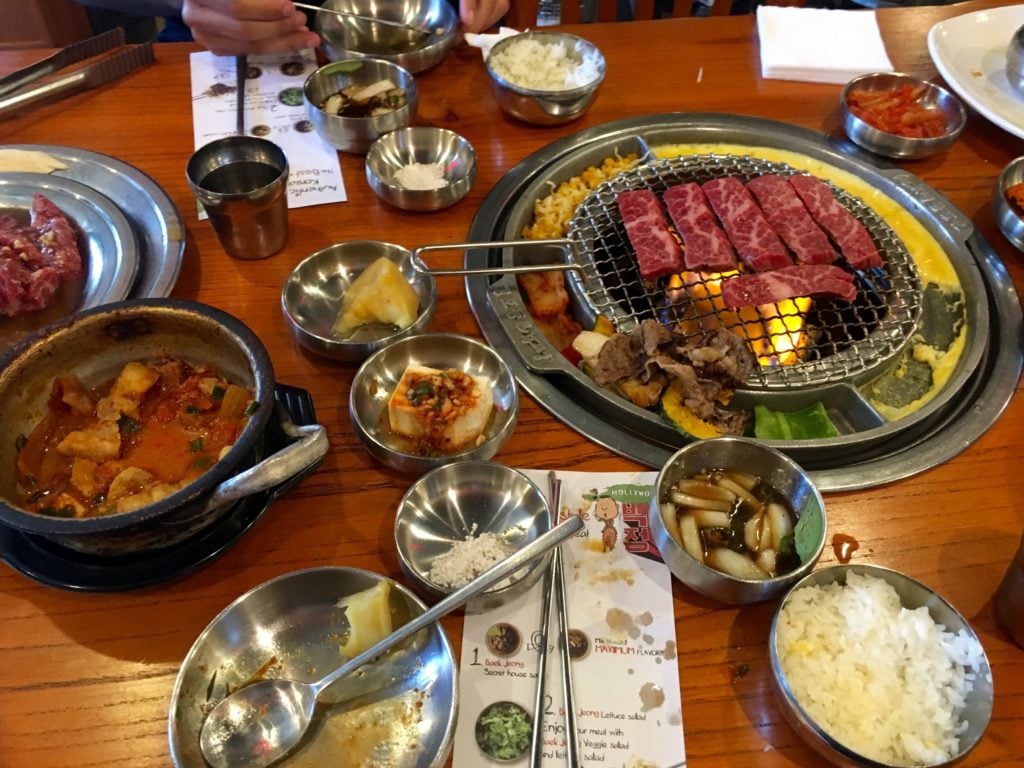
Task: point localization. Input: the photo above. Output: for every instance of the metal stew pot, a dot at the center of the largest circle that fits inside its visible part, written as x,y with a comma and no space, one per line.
95,345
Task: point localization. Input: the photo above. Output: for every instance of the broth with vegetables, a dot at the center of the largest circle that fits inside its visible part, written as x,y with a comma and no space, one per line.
733,522
128,443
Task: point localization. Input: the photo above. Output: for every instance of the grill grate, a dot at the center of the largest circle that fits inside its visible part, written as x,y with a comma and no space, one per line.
843,342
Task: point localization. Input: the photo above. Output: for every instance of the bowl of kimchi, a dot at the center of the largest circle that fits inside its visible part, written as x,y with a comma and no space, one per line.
900,116
133,426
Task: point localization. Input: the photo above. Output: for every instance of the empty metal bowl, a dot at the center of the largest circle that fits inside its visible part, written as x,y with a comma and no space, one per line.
890,144
451,154
545,107
780,472
348,38
313,295
377,378
291,627
356,134
1008,216
913,594
461,501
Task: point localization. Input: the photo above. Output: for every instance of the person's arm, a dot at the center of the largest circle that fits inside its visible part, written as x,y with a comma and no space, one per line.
230,27
137,7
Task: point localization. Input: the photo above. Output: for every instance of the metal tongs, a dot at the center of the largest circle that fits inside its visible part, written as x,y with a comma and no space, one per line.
16,97
567,246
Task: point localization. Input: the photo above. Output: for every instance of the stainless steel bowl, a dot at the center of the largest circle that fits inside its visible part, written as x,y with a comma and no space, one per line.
1015,61
463,500
347,38
540,106
913,594
356,134
427,146
411,694
1008,217
379,375
889,144
773,468
312,296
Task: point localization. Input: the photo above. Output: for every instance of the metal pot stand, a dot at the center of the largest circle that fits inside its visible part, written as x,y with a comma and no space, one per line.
873,450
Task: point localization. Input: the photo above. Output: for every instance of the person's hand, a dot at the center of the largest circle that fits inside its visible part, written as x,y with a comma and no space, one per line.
478,15
232,27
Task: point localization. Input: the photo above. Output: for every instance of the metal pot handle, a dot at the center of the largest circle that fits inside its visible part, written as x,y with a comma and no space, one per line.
309,447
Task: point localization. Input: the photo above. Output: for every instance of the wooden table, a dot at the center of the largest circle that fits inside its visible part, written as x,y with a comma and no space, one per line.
87,678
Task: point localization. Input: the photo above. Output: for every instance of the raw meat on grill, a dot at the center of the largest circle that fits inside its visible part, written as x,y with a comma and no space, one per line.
35,259
787,283
790,219
705,245
656,249
751,234
850,235
55,237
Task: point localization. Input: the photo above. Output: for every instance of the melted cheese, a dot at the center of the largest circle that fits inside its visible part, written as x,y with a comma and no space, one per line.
933,265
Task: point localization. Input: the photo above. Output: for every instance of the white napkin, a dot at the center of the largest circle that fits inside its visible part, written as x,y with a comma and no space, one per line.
486,42
818,45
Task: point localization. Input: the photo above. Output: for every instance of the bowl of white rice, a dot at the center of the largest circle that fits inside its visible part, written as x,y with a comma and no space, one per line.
461,519
545,78
873,668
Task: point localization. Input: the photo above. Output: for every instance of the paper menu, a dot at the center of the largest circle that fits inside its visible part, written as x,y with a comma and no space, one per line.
622,628
273,110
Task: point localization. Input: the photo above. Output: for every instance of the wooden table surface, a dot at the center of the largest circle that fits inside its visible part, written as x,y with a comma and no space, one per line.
87,677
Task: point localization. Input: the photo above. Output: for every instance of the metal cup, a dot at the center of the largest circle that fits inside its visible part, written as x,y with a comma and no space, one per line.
242,183
1010,598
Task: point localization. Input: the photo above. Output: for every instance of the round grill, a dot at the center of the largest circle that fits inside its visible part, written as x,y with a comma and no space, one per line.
825,342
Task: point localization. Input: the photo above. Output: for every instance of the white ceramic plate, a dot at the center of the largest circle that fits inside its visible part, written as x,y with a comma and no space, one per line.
970,53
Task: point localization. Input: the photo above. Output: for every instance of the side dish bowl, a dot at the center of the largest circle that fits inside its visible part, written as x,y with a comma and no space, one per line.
400,709
912,594
546,107
356,134
775,469
312,298
438,147
347,38
462,501
95,346
378,377
1009,217
893,145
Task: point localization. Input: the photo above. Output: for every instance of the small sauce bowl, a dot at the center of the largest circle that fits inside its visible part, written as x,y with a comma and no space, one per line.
1008,217
425,146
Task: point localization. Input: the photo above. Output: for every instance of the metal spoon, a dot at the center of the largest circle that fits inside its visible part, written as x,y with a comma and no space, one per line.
261,723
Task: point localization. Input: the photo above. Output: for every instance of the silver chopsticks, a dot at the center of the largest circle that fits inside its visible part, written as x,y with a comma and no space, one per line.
554,593
241,65
371,19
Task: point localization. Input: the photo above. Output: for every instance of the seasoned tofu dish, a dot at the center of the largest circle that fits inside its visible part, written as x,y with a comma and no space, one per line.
442,411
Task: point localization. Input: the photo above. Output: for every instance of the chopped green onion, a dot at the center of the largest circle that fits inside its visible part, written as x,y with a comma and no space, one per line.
128,425
251,408
202,462
218,392
193,409
20,442
196,445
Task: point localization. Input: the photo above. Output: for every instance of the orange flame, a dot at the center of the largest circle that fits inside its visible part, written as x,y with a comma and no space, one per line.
775,332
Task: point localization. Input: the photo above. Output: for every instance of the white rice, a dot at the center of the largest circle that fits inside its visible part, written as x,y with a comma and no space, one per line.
468,559
887,682
530,63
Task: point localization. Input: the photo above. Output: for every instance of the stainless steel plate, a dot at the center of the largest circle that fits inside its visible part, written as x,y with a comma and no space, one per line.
974,396
292,627
106,242
152,213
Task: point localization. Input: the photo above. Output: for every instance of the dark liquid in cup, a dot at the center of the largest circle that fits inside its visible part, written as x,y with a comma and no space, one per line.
239,178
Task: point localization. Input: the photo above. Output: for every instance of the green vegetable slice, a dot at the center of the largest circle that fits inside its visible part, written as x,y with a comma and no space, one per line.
806,424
